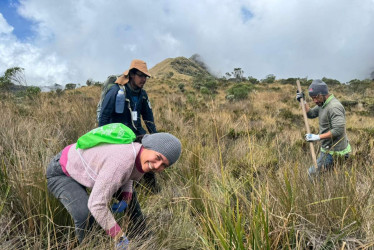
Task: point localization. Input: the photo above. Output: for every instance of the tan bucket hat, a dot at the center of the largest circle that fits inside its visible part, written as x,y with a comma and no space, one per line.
135,64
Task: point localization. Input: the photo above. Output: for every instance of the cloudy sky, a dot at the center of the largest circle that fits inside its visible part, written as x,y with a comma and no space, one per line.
73,40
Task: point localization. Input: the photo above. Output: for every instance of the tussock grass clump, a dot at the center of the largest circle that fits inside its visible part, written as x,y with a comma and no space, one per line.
241,182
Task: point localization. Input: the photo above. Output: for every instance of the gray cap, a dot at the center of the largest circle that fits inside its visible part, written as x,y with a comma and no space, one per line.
318,87
164,143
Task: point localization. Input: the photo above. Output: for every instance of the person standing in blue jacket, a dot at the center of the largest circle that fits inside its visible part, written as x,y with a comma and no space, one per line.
127,102
136,105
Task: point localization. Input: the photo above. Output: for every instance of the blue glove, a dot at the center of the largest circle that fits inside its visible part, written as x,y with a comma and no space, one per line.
119,207
312,137
122,243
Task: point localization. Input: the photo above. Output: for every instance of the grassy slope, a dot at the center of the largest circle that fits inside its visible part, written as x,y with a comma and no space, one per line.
181,68
240,184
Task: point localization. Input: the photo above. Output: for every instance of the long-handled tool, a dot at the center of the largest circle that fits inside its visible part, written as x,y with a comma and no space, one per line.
307,125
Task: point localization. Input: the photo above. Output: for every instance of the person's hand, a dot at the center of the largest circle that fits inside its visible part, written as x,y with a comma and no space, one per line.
119,207
312,137
122,243
299,96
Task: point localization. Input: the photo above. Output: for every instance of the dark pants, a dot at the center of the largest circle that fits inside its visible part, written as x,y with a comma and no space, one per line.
74,197
325,162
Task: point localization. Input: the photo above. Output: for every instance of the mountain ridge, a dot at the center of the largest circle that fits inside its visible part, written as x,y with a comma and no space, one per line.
178,67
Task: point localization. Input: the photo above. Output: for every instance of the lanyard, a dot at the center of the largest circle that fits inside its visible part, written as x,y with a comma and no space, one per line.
136,100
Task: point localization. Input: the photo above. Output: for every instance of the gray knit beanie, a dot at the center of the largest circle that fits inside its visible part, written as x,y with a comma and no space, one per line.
164,143
318,87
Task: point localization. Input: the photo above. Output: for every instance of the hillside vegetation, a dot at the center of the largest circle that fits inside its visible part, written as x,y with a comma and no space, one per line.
178,68
241,182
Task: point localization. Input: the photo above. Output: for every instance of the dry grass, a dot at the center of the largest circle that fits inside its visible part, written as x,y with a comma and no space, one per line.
240,184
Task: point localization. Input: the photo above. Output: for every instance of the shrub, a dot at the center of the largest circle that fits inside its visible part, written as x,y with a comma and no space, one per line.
230,98
269,79
181,87
360,86
288,81
349,104
253,80
330,82
209,83
70,86
239,91
205,91
32,92
5,84
59,92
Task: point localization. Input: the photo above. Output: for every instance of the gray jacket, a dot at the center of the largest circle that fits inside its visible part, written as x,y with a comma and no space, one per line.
332,118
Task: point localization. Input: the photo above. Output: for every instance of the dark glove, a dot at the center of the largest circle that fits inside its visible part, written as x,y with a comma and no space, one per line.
119,207
122,243
299,96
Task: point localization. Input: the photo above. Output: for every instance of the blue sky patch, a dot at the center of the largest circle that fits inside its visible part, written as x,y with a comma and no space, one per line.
22,27
246,14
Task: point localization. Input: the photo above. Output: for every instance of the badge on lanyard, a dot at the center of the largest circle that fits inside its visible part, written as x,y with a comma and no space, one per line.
134,115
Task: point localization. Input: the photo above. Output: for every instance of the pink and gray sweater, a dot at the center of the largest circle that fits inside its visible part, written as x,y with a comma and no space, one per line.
105,169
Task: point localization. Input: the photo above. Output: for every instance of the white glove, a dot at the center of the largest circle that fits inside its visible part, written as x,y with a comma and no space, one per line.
299,96
312,137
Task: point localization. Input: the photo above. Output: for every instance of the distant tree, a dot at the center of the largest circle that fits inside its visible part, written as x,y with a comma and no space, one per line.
13,76
89,82
228,75
16,75
238,73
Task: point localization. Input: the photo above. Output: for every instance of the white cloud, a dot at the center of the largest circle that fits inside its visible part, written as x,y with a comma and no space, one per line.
81,39
5,28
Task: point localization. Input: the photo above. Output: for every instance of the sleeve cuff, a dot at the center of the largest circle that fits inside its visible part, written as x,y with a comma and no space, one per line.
113,231
126,196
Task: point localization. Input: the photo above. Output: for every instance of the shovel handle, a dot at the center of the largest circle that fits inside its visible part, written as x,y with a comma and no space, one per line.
307,125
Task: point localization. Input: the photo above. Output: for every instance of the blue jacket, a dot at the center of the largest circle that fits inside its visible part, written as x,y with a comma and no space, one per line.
134,102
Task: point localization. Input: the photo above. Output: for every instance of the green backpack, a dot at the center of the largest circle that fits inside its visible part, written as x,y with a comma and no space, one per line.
109,82
113,133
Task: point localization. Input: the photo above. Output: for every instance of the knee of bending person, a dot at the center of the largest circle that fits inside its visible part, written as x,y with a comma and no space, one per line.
80,216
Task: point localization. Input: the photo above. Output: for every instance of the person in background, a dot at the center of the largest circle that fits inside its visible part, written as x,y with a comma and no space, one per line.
332,127
135,106
127,102
105,169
